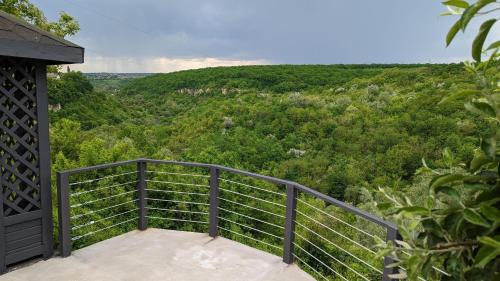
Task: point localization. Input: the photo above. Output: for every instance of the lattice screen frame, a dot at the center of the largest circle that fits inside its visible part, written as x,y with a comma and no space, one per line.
24,149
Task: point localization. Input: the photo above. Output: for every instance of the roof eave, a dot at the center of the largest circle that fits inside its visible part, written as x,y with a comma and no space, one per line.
53,54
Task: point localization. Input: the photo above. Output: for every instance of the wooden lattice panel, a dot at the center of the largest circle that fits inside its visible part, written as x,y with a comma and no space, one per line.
19,153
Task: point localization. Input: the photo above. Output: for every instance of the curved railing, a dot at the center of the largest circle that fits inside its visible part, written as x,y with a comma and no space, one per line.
328,238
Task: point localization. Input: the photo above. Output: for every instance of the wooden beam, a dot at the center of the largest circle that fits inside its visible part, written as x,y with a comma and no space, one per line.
42,101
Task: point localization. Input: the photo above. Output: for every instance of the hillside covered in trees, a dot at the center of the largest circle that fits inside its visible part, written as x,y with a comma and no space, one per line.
334,128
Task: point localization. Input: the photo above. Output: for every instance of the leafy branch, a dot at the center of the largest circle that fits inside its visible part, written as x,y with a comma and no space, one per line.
455,228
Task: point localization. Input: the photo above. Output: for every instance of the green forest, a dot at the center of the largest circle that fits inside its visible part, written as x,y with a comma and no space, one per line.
333,128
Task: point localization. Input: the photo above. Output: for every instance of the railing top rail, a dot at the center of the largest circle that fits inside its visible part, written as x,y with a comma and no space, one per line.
368,216
97,167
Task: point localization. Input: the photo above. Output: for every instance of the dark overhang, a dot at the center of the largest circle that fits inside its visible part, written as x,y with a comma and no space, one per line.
20,39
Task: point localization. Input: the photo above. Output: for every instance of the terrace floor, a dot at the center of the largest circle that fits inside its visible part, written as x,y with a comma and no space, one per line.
157,254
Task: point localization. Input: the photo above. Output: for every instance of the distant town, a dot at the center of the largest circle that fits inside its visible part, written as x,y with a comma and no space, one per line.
106,75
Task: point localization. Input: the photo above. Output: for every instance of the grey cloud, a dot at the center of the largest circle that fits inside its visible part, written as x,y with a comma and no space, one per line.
280,31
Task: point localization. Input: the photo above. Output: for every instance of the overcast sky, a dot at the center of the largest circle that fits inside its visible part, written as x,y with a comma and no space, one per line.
168,35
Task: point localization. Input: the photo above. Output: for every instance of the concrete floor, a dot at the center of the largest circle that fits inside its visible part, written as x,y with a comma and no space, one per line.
162,255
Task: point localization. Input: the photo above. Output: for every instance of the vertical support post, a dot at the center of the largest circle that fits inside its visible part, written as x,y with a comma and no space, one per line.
42,101
64,214
392,235
3,265
214,202
142,193
291,212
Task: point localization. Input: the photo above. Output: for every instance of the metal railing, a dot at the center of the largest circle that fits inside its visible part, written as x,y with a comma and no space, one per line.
328,238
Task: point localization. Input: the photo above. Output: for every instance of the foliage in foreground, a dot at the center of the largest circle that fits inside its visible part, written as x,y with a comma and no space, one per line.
66,25
455,223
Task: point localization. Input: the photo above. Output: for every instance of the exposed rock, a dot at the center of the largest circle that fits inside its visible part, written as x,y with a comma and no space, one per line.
55,107
228,122
296,152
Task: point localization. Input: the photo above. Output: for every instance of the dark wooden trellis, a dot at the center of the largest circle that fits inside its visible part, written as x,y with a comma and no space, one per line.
25,189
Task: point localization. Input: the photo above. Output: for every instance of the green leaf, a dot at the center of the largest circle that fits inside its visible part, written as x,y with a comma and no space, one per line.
414,210
452,32
494,45
447,13
403,244
427,265
489,241
481,107
452,222
476,186
472,10
444,179
448,191
489,212
384,206
489,146
479,160
475,218
456,3
477,44
488,197
432,226
485,255
459,96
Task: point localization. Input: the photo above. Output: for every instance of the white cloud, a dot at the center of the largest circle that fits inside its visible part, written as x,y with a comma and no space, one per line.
154,65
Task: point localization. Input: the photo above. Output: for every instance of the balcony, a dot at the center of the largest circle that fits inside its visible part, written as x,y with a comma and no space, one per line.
149,219
156,254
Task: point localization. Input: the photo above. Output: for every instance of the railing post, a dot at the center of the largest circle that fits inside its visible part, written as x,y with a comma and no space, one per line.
64,214
142,194
392,235
214,202
291,211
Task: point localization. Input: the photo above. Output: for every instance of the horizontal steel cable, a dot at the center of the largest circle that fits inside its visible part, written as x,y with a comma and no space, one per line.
101,188
99,220
102,178
250,207
318,260
173,219
252,197
102,229
251,238
342,249
252,228
250,217
332,257
179,183
103,209
177,192
102,199
312,268
178,174
178,201
254,187
336,232
335,218
177,211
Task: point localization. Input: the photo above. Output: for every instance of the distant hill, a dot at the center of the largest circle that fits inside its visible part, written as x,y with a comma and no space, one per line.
108,75
332,127
112,81
275,78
